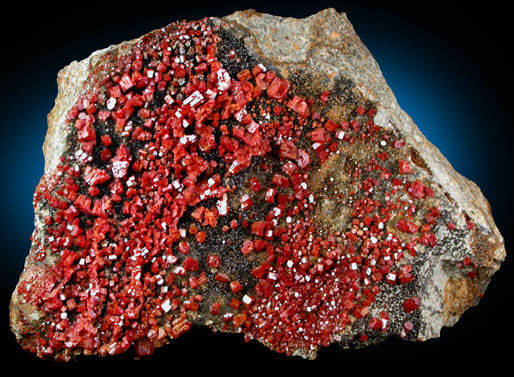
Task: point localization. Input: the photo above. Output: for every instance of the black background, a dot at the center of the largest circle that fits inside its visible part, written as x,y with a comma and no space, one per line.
450,68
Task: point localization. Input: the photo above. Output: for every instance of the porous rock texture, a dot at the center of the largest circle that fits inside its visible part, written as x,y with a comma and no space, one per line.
324,215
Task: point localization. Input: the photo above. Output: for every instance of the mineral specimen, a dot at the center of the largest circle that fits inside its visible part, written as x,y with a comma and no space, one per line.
253,174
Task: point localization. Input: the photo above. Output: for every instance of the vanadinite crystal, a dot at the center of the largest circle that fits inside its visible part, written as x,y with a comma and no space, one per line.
235,174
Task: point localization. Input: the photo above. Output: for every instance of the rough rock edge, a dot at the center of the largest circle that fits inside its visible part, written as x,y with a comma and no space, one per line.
327,39
450,295
71,83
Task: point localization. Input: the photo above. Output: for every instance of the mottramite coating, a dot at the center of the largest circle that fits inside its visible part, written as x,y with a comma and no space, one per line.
193,190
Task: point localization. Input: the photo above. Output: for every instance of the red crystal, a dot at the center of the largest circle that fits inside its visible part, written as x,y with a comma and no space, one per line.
406,226
411,304
278,89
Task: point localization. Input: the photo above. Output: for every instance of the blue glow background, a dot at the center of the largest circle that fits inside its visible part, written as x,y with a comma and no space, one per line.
446,79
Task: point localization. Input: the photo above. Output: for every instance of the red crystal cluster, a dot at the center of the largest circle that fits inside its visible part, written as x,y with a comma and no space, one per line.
168,151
